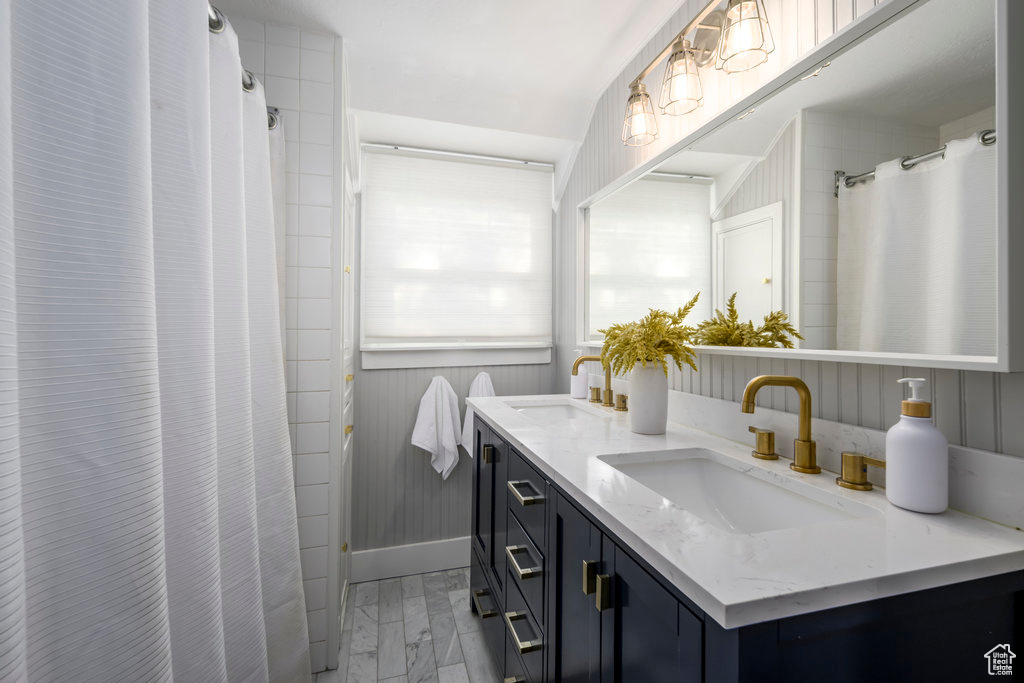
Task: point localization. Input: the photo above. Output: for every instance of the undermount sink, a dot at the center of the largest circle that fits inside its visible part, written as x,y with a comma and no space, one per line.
730,496
554,410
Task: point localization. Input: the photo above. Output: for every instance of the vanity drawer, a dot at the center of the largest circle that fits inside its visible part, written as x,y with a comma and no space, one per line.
527,492
515,671
487,609
525,568
526,639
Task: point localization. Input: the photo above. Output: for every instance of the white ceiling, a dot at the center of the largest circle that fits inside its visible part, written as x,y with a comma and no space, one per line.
528,66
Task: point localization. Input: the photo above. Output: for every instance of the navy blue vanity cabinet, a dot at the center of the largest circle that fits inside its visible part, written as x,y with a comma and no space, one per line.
646,634
573,621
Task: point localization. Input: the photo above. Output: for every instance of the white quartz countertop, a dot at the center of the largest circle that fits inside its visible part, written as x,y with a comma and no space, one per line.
741,579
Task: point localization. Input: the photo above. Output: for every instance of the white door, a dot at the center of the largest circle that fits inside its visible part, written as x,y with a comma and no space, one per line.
348,371
747,258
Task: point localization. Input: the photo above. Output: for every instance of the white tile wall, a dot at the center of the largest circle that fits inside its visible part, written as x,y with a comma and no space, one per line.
297,70
968,125
855,145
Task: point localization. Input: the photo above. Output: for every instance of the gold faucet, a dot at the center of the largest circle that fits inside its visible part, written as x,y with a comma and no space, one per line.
607,377
804,459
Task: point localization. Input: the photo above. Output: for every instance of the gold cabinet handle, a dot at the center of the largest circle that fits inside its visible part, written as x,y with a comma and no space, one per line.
513,486
603,599
521,645
483,613
589,576
514,679
349,429
528,572
349,378
487,453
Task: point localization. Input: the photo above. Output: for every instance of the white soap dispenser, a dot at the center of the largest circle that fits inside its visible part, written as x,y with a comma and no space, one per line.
916,457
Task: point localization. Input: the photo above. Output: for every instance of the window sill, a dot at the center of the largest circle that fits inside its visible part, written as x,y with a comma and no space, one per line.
382,357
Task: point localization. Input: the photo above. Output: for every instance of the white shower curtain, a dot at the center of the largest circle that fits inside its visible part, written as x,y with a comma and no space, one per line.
147,513
916,269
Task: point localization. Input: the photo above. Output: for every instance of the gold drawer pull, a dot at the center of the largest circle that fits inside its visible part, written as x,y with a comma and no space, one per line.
603,599
522,646
589,576
523,574
487,453
483,613
513,486
514,679
349,429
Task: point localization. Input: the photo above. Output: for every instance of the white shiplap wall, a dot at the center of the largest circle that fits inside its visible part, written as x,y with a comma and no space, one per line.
297,70
976,409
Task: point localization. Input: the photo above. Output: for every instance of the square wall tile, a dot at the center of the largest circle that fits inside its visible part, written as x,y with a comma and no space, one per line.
315,189
314,252
312,531
282,92
313,375
313,406
282,60
316,594
313,314
316,66
314,283
314,127
311,501
318,656
317,97
315,221
314,562
316,159
314,344
310,469
314,437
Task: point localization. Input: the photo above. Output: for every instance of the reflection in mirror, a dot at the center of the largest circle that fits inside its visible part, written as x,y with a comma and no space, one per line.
901,259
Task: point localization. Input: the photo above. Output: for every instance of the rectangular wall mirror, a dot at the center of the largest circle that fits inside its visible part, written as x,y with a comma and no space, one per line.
860,199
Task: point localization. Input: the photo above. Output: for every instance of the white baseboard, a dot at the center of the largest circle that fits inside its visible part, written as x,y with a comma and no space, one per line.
416,558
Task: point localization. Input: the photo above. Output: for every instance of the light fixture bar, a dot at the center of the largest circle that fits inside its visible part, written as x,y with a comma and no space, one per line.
680,176
694,23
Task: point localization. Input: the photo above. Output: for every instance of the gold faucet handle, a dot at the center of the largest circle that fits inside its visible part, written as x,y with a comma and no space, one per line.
855,471
764,444
620,402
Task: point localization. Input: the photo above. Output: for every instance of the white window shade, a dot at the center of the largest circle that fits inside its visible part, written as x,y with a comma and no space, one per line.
455,253
649,247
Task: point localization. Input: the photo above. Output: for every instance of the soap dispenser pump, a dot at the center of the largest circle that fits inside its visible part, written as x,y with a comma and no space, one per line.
916,457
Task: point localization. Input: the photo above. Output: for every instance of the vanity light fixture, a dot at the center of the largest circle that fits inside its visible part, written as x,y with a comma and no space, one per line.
681,91
639,126
737,39
746,37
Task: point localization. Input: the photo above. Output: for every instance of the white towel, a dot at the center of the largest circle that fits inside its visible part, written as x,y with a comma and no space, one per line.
481,386
437,426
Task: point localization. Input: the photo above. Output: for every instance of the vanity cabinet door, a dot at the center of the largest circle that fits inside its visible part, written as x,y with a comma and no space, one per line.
483,492
646,634
490,478
573,622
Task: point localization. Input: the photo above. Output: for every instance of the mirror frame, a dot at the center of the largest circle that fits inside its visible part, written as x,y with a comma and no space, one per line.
1009,57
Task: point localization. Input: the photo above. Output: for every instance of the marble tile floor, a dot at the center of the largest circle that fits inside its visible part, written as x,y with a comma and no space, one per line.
413,629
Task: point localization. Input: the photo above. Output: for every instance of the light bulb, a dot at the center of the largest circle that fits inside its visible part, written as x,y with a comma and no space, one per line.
681,91
746,37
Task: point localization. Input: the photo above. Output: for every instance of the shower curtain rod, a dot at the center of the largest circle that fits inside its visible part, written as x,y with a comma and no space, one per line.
986,137
217,23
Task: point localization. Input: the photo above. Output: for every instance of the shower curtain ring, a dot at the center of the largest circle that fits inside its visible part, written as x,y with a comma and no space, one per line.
216,20
248,81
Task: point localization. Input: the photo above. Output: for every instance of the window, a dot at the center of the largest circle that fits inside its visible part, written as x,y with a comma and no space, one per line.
456,255
649,247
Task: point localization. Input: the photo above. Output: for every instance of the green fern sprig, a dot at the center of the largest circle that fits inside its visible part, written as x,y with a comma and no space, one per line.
650,341
725,329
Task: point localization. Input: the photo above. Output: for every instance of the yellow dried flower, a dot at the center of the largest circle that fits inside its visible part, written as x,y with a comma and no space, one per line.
649,341
725,329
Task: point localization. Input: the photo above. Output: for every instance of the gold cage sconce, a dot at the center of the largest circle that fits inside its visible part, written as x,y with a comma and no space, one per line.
735,39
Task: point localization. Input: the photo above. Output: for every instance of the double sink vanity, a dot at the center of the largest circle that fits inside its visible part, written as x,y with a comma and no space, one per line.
604,555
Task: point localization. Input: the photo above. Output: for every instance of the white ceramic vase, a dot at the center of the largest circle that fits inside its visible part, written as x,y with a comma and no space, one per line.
648,400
